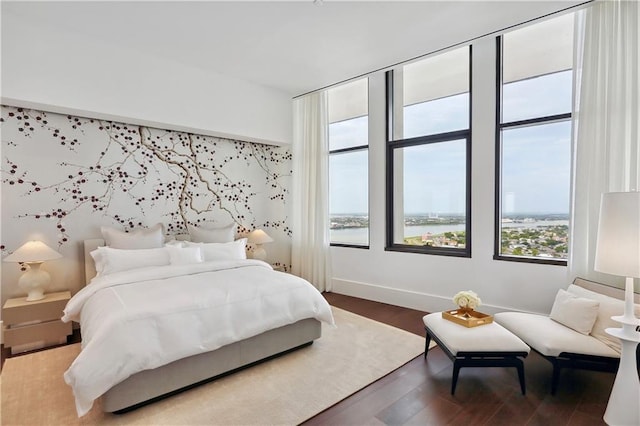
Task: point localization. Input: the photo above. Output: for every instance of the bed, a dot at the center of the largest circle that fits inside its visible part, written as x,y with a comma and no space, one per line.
266,313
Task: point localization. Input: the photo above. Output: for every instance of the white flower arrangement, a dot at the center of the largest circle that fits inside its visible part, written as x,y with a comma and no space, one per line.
467,299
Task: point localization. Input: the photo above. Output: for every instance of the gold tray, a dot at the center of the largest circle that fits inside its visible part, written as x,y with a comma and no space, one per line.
467,318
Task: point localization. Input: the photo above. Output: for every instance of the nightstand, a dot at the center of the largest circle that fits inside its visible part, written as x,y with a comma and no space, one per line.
37,324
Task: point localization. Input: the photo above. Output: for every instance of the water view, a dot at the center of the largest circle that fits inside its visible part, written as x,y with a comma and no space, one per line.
534,235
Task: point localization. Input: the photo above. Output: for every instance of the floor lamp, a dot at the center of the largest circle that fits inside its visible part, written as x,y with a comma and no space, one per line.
618,253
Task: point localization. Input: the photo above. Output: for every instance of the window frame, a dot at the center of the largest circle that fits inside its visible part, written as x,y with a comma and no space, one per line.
348,150
392,145
499,127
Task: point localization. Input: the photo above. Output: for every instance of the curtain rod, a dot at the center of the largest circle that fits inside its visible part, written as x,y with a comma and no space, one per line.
462,43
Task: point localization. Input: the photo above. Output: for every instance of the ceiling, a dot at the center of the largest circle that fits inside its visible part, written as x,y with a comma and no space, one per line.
293,46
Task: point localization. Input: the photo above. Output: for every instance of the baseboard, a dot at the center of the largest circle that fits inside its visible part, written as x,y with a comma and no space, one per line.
405,298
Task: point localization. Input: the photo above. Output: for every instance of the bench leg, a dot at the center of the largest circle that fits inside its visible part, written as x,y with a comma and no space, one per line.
454,378
509,361
427,341
520,367
555,378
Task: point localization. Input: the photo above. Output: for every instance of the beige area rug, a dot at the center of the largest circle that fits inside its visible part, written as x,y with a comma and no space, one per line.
286,390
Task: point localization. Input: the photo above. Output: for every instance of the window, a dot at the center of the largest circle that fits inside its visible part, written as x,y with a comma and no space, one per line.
429,155
349,164
533,132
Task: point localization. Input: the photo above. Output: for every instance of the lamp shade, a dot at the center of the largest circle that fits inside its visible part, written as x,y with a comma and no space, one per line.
259,237
618,247
33,251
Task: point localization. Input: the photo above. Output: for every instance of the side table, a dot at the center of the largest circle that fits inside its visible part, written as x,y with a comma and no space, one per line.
622,408
37,324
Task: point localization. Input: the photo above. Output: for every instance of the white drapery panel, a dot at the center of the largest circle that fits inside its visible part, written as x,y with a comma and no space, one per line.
310,257
606,117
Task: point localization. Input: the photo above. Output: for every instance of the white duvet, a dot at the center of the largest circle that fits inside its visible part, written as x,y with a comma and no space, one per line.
145,318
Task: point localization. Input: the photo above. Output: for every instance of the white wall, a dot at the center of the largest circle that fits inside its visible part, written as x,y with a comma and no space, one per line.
428,282
48,68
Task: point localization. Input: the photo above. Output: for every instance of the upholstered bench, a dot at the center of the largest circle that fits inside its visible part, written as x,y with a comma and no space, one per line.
489,345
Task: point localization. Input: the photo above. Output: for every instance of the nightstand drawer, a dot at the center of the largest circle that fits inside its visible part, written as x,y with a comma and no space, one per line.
49,332
18,310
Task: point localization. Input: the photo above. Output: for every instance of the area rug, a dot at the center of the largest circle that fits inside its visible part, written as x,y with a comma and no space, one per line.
286,390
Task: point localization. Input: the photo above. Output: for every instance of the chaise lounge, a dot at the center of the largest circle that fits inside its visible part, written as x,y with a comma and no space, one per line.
573,335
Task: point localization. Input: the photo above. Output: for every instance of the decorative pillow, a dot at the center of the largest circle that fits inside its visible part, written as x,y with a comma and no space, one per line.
235,250
109,260
574,312
609,306
223,234
184,255
152,237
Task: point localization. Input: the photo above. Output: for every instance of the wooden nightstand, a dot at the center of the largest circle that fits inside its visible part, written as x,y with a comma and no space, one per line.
37,324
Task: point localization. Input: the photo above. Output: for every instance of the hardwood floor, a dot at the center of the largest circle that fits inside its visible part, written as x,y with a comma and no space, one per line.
419,392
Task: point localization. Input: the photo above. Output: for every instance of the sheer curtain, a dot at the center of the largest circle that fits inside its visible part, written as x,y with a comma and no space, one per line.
606,120
310,257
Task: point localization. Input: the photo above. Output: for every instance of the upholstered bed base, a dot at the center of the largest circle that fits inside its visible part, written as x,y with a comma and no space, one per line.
149,385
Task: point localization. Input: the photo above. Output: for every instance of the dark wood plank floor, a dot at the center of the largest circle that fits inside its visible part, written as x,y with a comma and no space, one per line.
419,392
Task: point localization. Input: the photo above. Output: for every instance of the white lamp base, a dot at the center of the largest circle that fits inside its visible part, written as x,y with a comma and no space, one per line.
623,408
34,281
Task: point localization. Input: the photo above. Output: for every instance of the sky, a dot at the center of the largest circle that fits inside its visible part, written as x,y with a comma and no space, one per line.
536,159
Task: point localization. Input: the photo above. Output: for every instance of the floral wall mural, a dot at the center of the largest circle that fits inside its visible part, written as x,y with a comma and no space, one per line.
65,176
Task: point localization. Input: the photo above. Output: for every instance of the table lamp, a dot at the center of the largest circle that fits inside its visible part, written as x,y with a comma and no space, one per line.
618,253
258,237
34,280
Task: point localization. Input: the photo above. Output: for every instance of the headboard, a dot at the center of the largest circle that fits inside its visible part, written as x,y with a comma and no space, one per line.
89,266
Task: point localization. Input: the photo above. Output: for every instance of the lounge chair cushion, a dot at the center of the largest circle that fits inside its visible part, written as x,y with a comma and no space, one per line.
551,338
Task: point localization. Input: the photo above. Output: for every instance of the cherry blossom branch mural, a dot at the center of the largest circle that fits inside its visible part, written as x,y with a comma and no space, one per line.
103,171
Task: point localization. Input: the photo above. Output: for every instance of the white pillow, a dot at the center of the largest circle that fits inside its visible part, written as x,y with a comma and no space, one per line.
609,306
574,312
109,260
223,234
235,250
184,255
152,237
